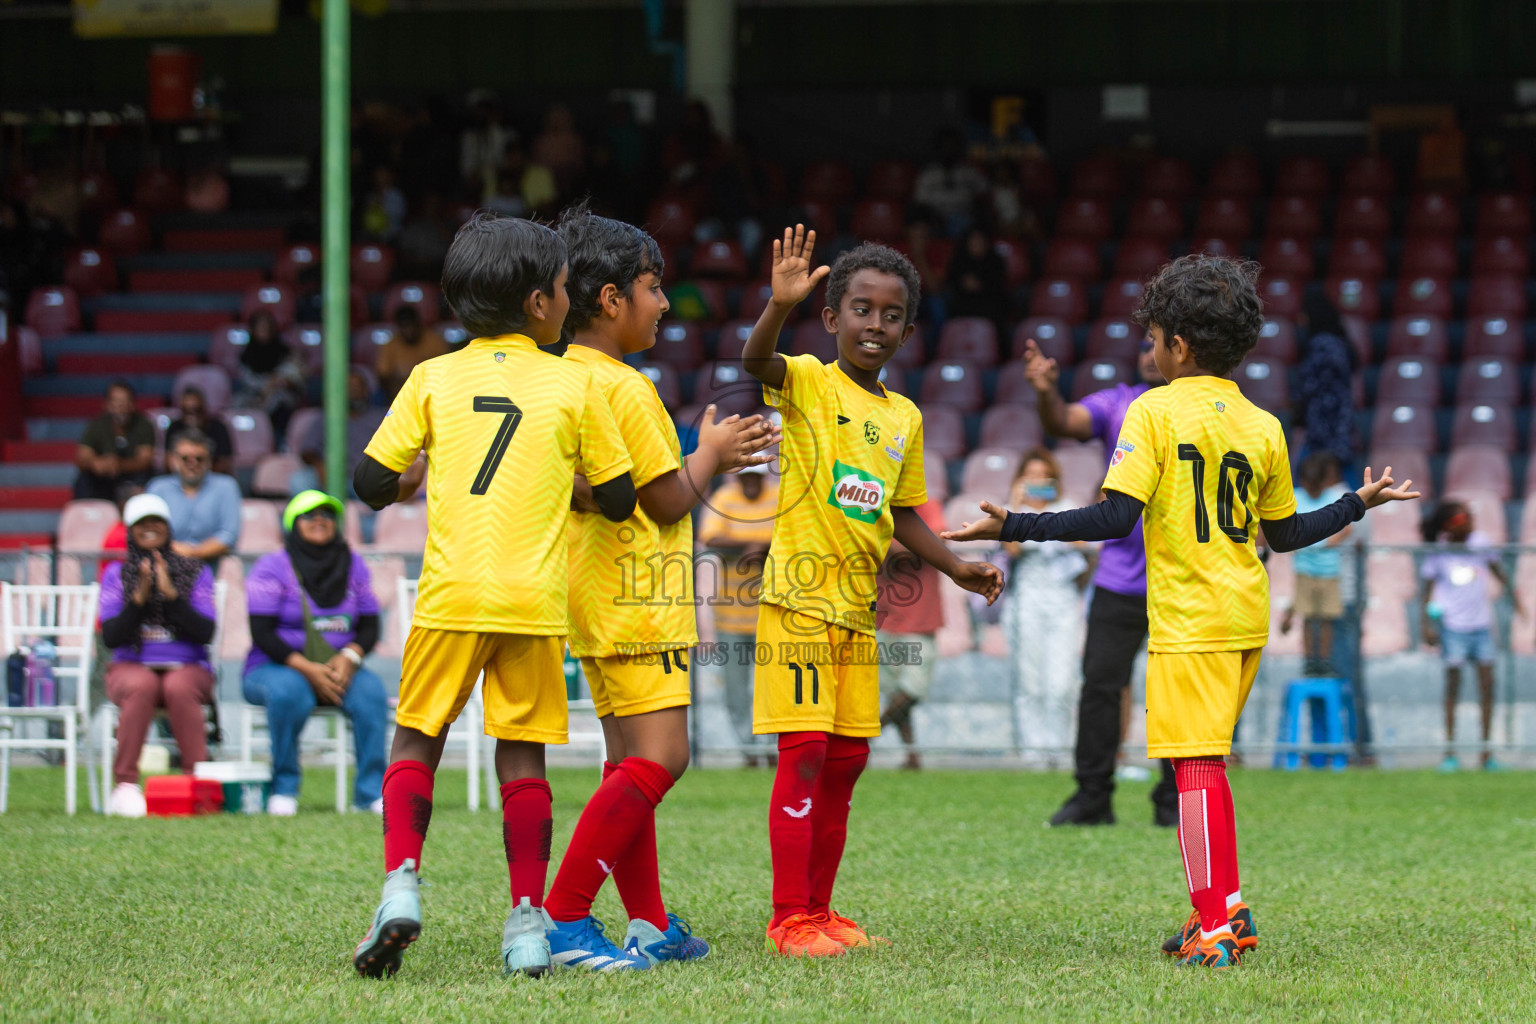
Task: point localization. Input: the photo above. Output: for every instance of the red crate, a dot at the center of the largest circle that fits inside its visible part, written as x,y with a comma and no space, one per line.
172,796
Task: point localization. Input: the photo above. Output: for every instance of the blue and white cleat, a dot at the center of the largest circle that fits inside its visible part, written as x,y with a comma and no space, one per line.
582,944
676,943
524,949
396,924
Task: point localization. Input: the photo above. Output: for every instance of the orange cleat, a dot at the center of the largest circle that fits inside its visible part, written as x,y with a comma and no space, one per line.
798,935
1178,943
1242,926
1218,953
845,932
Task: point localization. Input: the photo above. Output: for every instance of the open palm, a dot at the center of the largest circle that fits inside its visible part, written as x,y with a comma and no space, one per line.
795,274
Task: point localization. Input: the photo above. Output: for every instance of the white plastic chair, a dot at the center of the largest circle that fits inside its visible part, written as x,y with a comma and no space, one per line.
67,616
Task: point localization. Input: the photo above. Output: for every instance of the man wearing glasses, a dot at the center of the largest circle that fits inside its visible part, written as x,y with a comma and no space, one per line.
1117,614
205,506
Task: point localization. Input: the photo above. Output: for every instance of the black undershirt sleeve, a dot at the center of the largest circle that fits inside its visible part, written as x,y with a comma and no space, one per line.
1110,519
122,629
186,623
616,498
366,635
264,637
1307,528
375,483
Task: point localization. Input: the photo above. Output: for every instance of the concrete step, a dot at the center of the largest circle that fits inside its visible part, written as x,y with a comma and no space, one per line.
234,260
157,321
32,522
57,429
188,342
37,474
38,451
96,384
163,302
126,365
198,280
81,407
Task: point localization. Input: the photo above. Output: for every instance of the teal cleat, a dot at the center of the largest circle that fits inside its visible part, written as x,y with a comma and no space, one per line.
676,943
396,924
1450,764
524,949
1217,953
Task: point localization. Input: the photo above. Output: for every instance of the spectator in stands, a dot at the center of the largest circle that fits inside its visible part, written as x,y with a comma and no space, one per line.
157,617
1317,568
736,525
118,447
204,505
314,617
910,611
948,187
384,207
412,344
483,143
1456,611
691,150
736,190
536,184
508,200
1012,217
560,147
271,376
1323,399
1043,616
362,421
194,416
978,280
424,240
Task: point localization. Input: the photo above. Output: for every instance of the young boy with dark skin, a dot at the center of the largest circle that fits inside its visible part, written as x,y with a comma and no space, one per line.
844,437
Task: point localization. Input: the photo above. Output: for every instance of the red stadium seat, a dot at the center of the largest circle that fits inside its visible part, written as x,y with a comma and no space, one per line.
990,470
1288,257
1062,297
1494,336
1140,257
664,377
732,340
226,345
829,181
1051,335
811,338
1122,297
944,431
367,340
271,480
935,476
1407,464
1236,174
98,191
1368,174
29,345
1363,215
309,339
1409,381
912,353
1073,257
212,381
125,232
1037,179
971,339
371,266
1282,297
1356,256
1156,217
1264,383
157,191
1489,380
1295,217
1115,339
670,221
1227,248
1013,388
1098,374
1082,471
1010,426
1082,217
1404,426
891,180
1015,259
1432,256
679,344
1224,217
1500,254
1303,176
755,298
90,272
1168,177
1504,213
250,432
1354,296
895,378
294,262
952,383
1418,337
53,311
1098,177
1497,295
1423,296
279,300
880,220
719,258
1398,522
1357,331
1433,213
1277,341
728,386
819,215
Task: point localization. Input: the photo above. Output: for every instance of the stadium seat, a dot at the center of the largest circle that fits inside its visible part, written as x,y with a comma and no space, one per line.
225,345
1409,381
1432,256
1418,337
952,383
670,221
679,344
1037,179
970,339
1285,256
1396,522
936,476
90,272
1490,380
401,528
1504,213
83,525
1384,625
830,181
1407,464
372,266
1010,426
1168,177
1215,245
990,470
1294,217
366,342
30,347
1015,261
1061,297
53,311
1368,174
1487,510
818,215
1098,374
157,191
1500,254
1122,297
937,253
912,353
879,220
811,338
98,191
1156,217
731,388
212,381
1264,383
1114,339
1303,176
1423,296
1281,296
1478,468
1277,341
1082,217
1366,215
1012,387
277,299
1354,296
1140,257
664,377
250,432
294,262
891,180
1493,336
1404,426
261,528
1051,335
732,339
895,378
1480,423
944,431
1358,256
755,298
720,258
1082,471
421,294
1236,174
299,426
1072,257
1224,217
125,232
274,474
1497,295
1433,213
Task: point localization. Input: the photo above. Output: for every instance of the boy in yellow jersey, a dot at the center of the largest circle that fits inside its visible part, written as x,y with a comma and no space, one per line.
851,479
1201,466
631,598
505,428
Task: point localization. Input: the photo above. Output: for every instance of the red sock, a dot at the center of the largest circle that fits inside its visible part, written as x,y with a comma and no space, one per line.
846,758
637,875
612,818
526,826
1231,883
1204,837
407,812
801,756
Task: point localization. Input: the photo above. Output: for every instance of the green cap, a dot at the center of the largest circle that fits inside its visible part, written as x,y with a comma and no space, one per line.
308,501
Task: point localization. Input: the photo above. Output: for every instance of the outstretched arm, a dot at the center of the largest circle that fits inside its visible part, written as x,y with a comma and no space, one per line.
914,535
795,277
1306,529
1110,519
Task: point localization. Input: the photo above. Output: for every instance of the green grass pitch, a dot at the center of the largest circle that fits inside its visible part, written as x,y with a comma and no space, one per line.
1377,896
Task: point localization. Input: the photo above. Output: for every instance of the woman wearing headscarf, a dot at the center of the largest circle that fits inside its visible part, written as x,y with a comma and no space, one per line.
157,616
314,617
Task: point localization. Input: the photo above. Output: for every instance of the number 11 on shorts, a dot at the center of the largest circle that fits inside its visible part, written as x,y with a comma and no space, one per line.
800,683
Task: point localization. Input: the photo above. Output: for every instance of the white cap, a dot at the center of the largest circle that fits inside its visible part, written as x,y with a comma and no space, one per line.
759,469
143,506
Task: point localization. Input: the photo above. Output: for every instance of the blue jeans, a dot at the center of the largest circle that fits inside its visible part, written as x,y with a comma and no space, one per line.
288,698
1474,645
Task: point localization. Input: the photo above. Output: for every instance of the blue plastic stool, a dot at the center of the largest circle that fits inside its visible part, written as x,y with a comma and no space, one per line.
1328,700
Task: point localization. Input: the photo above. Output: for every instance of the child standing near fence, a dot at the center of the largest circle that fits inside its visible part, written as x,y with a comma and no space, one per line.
1318,596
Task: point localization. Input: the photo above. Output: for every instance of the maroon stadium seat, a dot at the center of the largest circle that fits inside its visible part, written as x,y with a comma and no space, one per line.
157,191
226,344
1357,256
1228,248
212,381
819,215
372,265
1168,177
1504,213
1423,296
1156,217
1488,380
1363,215
879,220
1073,257
1140,256
1368,174
1062,297
1354,296
1303,176
420,294
309,340
1295,217
1236,174
1479,467
1282,297
1264,383
1497,295
1098,177
98,191
1407,464
1277,341
1015,260
1097,374
1409,381
53,311
670,220
1500,254
912,353
295,261
1224,217
811,338
1011,426
990,470
664,376
731,388
125,232
1115,338
1433,213
891,180
680,344
829,181
1285,256
1122,297
1037,179
970,339
1431,256
952,383
897,379
1082,217
1418,337
1012,387
719,258
732,340
943,430
755,298
1404,426
367,340
90,271
250,434
1494,336
1052,337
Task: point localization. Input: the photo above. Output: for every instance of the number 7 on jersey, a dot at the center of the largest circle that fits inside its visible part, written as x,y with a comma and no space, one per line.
511,416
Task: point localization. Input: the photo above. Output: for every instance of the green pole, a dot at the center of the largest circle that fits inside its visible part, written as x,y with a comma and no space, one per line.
337,236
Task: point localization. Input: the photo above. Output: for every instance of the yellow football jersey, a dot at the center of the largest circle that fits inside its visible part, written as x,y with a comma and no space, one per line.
847,456
631,582
1209,465
505,427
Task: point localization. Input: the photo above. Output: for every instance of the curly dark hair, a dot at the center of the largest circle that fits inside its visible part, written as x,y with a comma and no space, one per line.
1435,523
1209,301
602,251
873,256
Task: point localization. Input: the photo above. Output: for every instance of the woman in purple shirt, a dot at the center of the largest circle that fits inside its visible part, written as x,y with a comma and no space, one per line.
157,616
294,666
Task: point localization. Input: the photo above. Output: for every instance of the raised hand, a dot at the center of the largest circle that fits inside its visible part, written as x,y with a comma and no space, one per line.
146,582
1039,369
795,275
739,442
981,578
163,578
988,528
1381,491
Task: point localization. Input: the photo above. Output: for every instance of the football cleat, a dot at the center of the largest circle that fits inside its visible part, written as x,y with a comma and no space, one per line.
396,924
1217,953
581,943
845,932
1083,810
524,947
1188,932
1243,930
676,943
798,935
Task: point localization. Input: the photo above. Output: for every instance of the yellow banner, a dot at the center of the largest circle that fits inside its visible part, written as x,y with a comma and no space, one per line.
99,19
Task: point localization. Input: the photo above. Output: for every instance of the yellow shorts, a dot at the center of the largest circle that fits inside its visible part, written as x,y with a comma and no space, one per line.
524,691
632,684
1194,700
813,676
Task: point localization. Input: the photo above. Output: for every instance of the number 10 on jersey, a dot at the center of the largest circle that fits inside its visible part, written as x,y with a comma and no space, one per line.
1234,475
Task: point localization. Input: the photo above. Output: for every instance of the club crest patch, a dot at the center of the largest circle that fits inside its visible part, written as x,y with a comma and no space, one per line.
871,432
1221,406
501,357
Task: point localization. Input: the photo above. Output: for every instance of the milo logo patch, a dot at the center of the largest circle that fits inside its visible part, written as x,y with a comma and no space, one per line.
859,494
333,623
